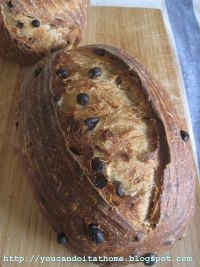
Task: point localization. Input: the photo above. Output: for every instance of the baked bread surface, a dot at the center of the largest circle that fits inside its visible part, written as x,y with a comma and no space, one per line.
29,30
106,154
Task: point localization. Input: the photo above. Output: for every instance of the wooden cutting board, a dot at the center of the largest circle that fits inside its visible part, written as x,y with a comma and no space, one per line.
23,230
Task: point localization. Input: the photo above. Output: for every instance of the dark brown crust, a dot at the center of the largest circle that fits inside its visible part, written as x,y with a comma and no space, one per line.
17,50
66,196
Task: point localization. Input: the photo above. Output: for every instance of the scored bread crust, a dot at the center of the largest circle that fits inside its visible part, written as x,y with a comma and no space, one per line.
62,25
57,151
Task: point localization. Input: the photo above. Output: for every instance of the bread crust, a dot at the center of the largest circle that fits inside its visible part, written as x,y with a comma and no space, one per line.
61,182
61,22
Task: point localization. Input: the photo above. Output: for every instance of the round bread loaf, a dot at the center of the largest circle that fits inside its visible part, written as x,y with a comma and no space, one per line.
29,30
107,156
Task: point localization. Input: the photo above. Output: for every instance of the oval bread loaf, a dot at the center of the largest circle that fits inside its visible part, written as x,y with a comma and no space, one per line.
29,30
106,154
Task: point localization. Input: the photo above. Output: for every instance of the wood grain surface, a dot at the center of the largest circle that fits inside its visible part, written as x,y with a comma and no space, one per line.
23,230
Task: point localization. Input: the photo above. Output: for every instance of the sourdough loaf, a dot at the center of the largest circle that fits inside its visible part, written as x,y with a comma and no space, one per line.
107,156
29,30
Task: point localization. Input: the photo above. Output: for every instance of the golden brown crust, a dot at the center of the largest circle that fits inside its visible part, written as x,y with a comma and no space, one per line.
58,150
61,25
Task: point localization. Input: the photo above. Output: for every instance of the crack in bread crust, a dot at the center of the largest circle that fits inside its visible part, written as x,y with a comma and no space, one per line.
132,151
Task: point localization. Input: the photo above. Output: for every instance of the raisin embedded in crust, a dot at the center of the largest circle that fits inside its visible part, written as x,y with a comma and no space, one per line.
95,234
62,238
184,135
91,122
36,23
119,189
62,73
98,165
95,73
149,259
83,99
100,180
